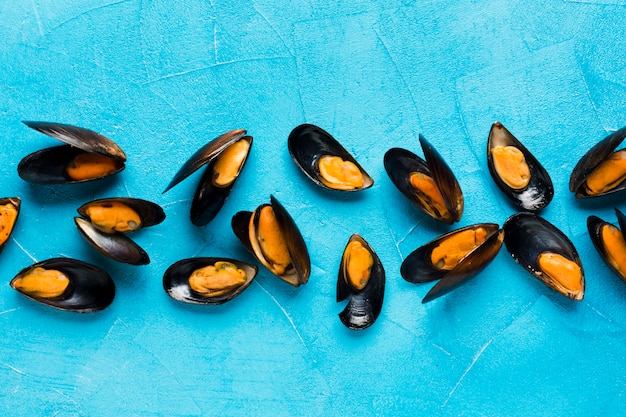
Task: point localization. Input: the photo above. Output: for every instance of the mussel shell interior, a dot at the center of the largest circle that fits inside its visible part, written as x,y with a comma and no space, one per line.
116,246
91,288
595,226
308,143
176,280
150,213
17,203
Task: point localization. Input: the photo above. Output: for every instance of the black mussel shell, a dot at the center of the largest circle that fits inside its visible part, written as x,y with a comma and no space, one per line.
209,198
308,143
300,269
539,191
527,235
595,226
116,246
150,213
176,280
364,305
90,289
590,161
418,267
7,229
400,163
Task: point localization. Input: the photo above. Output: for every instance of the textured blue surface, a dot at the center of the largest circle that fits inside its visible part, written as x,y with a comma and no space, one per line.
163,78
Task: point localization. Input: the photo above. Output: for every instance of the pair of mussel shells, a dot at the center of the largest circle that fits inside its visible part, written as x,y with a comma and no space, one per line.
105,222
609,242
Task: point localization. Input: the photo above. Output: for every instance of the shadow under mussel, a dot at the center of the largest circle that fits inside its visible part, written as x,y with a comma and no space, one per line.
601,171
609,242
67,284
9,212
207,280
272,237
86,156
453,258
324,161
362,280
105,222
516,171
428,184
224,157
544,251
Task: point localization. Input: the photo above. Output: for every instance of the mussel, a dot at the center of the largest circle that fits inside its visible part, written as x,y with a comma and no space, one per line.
322,158
225,157
207,280
105,222
271,236
86,156
516,171
9,211
453,258
609,242
66,284
544,251
362,280
601,171
430,185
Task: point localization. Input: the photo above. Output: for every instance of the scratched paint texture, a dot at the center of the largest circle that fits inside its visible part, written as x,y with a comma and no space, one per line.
162,78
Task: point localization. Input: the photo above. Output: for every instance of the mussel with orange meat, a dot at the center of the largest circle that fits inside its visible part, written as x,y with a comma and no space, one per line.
9,211
609,242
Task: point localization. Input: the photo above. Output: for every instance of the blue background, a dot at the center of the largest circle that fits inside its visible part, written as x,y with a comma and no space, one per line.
162,78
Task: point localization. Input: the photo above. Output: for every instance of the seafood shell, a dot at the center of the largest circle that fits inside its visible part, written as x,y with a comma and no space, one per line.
7,228
595,226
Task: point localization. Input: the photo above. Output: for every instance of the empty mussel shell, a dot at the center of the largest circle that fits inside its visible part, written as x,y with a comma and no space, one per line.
272,237
66,284
544,251
453,258
324,161
9,211
87,156
601,171
122,214
609,242
225,157
430,185
362,280
207,280
516,171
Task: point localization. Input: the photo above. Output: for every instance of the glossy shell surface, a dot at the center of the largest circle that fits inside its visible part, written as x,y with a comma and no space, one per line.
150,213
17,203
594,227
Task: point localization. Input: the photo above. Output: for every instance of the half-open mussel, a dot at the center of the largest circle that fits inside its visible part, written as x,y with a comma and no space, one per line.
9,211
105,222
430,185
544,251
272,237
322,158
207,280
225,157
601,171
609,242
516,171
87,156
453,258
362,280
66,284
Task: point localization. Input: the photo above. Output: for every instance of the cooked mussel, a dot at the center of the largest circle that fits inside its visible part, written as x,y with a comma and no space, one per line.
430,185
66,284
601,171
609,242
453,258
362,280
207,280
270,235
225,157
322,158
516,171
86,156
9,211
544,251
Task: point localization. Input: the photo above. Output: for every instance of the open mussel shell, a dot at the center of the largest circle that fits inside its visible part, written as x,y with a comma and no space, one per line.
595,157
176,280
609,242
364,304
90,288
400,164
533,195
211,194
528,236
245,225
9,212
308,144
50,166
418,267
149,213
